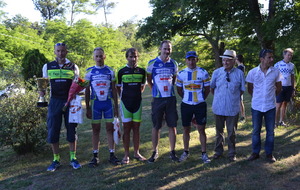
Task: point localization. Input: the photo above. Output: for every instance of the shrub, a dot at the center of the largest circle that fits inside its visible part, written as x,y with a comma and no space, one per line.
22,124
32,64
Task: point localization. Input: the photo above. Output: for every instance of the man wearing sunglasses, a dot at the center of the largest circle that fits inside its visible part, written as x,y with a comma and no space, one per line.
61,73
227,85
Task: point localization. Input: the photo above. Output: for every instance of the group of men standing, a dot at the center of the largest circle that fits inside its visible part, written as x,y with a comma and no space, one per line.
193,83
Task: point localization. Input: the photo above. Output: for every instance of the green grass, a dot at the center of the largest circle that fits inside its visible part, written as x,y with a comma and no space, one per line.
29,171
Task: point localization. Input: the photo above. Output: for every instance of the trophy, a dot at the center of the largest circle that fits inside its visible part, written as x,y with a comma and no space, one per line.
42,84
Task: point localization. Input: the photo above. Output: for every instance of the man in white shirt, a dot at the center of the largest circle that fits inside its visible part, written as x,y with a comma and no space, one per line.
263,85
286,68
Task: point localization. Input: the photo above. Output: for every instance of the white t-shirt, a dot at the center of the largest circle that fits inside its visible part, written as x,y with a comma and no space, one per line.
286,70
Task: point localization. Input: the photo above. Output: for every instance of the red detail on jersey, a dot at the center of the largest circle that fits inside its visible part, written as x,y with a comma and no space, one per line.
164,78
166,88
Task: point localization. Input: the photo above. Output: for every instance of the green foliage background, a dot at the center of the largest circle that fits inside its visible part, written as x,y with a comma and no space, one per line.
22,124
204,26
32,64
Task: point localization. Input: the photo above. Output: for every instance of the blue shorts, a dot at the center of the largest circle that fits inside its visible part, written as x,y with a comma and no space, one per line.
164,108
285,94
189,111
54,121
100,108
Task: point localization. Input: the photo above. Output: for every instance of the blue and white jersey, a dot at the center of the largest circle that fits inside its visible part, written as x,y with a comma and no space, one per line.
286,70
100,81
162,76
193,82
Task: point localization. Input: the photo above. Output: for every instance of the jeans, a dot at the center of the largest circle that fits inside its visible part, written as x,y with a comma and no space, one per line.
269,118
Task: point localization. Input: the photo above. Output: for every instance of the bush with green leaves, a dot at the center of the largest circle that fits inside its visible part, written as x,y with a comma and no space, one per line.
33,63
22,123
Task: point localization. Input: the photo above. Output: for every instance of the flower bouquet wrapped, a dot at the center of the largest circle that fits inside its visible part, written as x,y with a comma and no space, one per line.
77,85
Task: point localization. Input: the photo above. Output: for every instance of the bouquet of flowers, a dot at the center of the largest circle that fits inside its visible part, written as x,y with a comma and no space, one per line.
77,85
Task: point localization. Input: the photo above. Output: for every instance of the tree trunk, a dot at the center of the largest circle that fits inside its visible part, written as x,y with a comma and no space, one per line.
258,22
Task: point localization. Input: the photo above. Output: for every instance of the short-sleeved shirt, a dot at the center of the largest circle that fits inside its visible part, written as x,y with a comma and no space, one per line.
193,82
264,88
227,95
100,81
76,69
286,70
131,80
61,77
162,76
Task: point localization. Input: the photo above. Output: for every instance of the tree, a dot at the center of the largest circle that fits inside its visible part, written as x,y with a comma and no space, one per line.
279,20
2,13
50,9
129,29
32,64
209,19
79,6
221,21
17,20
106,5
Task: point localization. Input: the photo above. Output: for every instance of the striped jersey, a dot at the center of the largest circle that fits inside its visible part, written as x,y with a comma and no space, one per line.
162,77
193,82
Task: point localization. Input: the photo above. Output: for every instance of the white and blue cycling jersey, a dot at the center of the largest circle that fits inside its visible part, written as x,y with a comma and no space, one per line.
286,70
162,77
100,81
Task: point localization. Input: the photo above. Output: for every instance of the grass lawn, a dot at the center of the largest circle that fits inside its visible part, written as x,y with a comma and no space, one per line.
29,171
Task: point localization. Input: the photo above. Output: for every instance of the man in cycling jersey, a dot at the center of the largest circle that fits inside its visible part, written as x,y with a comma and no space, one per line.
130,85
61,73
161,77
101,99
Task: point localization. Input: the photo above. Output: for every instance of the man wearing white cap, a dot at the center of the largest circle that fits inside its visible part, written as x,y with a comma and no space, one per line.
227,85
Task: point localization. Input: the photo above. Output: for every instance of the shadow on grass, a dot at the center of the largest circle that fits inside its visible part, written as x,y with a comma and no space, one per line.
29,171
165,174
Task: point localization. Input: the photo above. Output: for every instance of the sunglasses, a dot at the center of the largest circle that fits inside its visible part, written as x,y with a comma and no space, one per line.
227,77
60,44
264,52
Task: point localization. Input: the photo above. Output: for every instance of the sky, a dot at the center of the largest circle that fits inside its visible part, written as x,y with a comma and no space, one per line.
124,10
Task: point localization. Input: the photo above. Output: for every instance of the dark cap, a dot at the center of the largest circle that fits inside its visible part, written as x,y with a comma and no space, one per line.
191,54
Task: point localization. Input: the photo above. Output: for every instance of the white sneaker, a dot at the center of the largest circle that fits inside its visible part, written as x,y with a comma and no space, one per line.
183,156
205,158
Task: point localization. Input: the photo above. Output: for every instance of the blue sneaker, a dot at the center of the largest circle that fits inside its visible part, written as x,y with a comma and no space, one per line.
75,164
55,165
